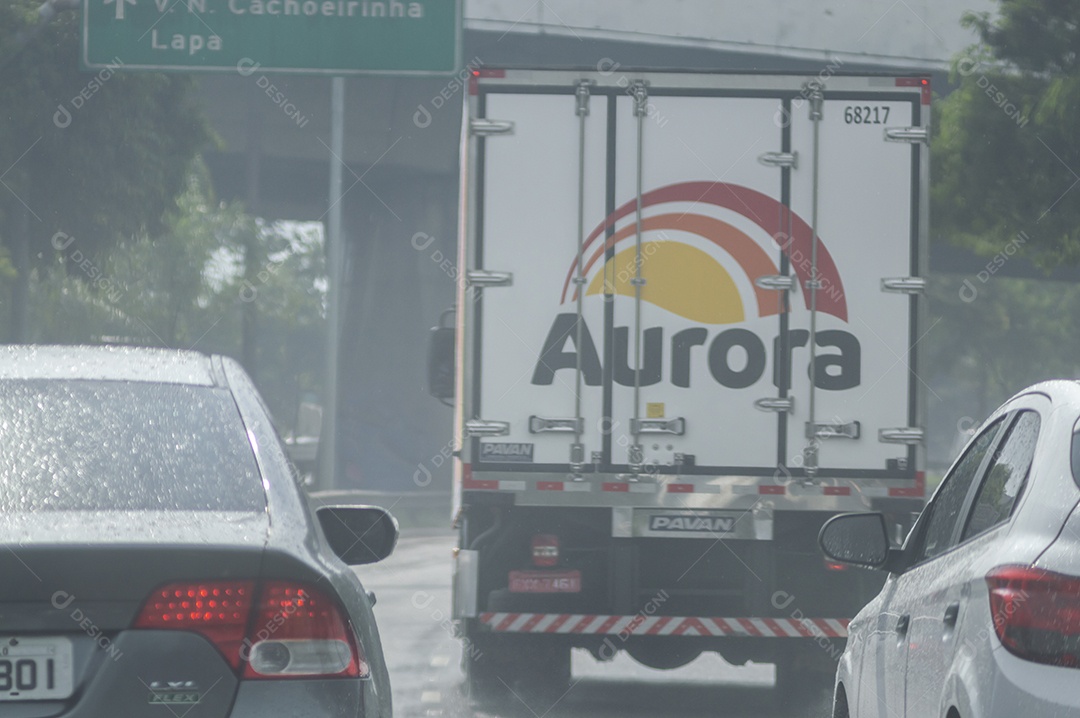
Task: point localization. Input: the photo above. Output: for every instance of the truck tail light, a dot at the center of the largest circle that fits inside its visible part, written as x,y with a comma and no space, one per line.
1036,614
545,550
275,630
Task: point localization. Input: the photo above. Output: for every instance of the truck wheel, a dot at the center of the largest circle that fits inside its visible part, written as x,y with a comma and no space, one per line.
482,682
799,686
499,667
553,667
537,671
482,670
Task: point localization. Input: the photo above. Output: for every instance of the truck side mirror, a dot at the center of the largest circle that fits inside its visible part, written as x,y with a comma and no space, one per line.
441,362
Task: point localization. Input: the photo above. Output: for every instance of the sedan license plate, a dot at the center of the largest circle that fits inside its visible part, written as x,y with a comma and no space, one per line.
545,581
35,669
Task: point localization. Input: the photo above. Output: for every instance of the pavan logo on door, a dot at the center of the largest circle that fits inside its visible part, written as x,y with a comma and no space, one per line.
504,452
711,524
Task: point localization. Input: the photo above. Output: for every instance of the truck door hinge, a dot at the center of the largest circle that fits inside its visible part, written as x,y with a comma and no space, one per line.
777,282
486,427
907,134
485,278
769,403
903,285
639,90
582,96
540,425
780,159
901,435
851,430
675,426
814,91
482,127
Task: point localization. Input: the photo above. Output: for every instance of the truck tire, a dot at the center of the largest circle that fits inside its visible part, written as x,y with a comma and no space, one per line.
481,669
511,665
799,686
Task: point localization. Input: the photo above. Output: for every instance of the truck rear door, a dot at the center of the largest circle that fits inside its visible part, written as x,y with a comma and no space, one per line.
526,364
864,327
690,201
702,332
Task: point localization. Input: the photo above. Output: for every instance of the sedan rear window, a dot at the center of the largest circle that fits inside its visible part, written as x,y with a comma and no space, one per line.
123,446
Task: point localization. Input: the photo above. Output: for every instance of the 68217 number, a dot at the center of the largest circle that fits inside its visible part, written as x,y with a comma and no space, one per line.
866,114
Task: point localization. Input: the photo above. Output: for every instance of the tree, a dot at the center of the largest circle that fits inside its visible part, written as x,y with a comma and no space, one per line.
187,288
979,351
97,155
1007,146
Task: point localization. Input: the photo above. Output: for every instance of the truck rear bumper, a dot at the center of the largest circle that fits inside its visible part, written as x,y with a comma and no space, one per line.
656,625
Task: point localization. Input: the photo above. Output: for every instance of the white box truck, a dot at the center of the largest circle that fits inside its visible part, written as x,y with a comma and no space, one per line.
686,334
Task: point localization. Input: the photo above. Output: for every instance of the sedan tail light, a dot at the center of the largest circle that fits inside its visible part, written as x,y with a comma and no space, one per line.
1036,614
299,632
277,629
217,610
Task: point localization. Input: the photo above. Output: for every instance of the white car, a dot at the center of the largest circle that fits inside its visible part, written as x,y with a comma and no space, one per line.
980,614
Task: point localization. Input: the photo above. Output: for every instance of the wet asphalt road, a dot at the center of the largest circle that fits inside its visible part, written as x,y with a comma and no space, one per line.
413,590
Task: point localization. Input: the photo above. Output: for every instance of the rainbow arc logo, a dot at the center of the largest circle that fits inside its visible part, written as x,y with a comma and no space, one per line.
688,281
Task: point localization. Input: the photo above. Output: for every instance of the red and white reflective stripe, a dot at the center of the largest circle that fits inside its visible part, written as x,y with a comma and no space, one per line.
641,625
919,489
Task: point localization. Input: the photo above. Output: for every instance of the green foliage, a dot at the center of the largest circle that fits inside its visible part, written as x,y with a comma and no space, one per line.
980,350
185,288
101,155
1034,35
126,241
1007,149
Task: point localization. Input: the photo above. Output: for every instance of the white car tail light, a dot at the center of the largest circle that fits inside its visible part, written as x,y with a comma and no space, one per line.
1036,614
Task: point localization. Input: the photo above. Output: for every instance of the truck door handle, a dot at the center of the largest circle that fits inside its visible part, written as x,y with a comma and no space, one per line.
951,614
902,624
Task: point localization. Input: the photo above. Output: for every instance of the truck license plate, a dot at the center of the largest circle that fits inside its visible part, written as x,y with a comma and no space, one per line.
35,669
545,581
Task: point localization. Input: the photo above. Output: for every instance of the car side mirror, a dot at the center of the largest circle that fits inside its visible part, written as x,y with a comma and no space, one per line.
359,534
860,539
441,362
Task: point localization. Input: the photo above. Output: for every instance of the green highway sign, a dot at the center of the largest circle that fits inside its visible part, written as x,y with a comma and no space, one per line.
331,37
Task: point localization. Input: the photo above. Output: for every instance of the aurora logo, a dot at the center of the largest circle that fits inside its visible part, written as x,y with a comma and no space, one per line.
688,281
